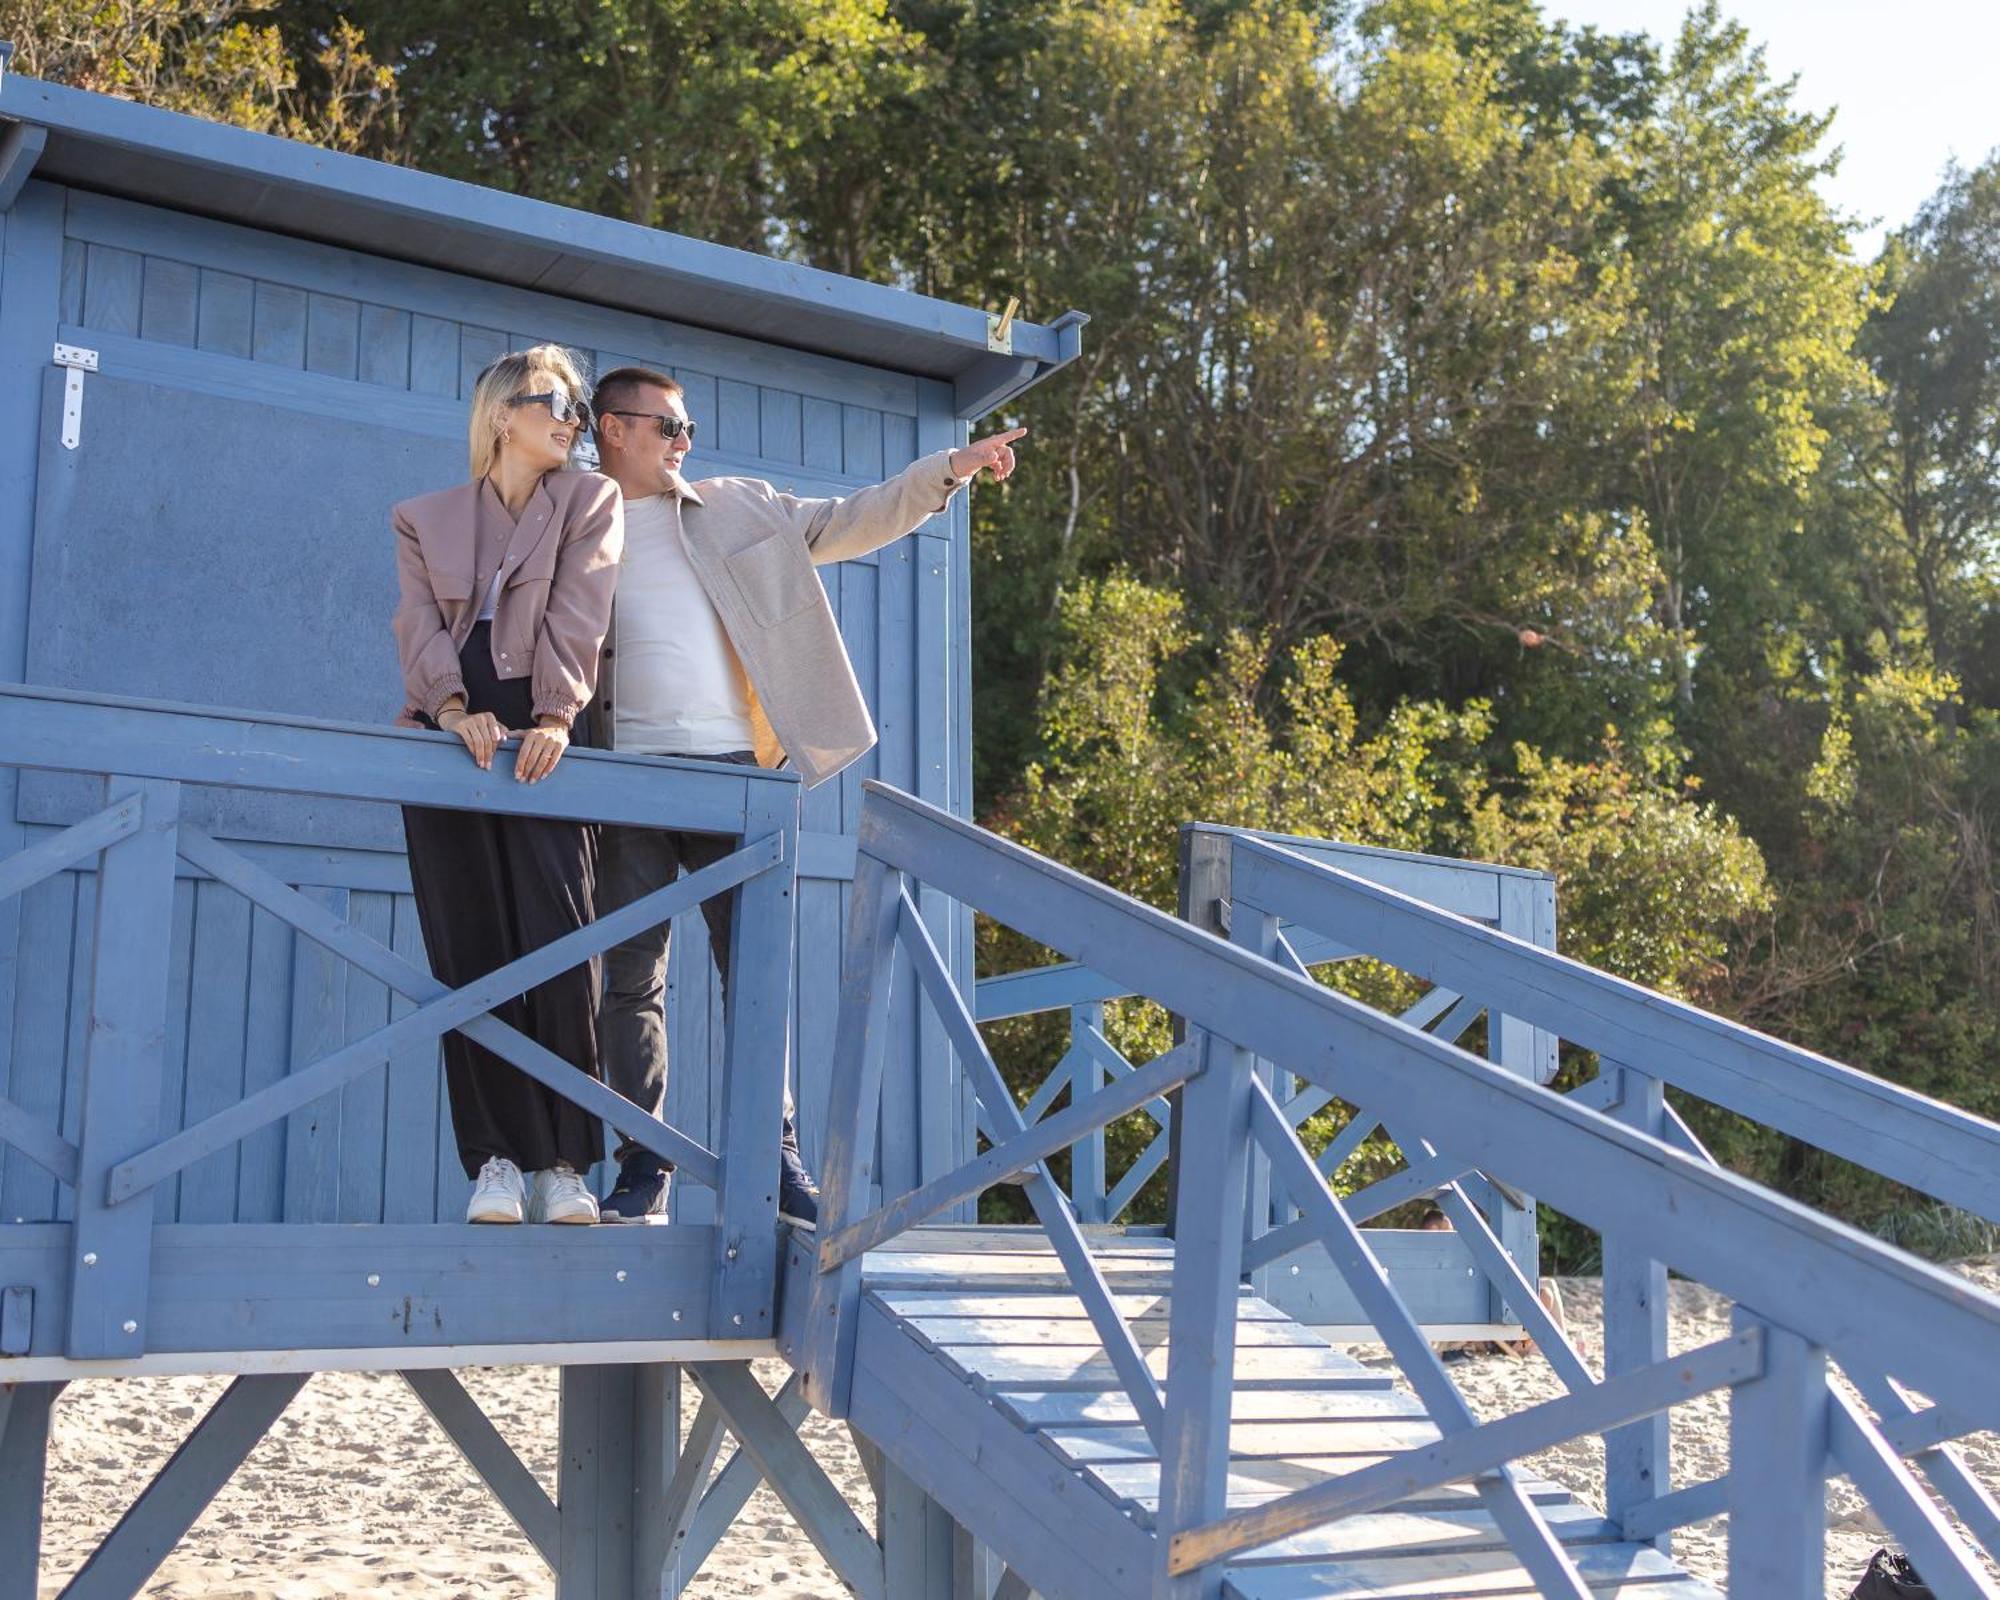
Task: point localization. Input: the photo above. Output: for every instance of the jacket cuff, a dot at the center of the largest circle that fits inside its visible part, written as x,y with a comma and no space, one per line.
441,691
553,703
948,483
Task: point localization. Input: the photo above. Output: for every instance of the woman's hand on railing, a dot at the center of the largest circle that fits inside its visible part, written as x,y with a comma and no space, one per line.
479,731
541,748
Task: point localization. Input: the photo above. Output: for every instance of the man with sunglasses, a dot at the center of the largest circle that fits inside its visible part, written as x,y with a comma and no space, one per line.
723,647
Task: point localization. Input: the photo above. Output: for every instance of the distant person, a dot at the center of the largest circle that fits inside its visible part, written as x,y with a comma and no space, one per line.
724,648
506,594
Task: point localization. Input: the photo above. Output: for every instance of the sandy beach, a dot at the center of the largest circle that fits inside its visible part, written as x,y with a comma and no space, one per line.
356,1491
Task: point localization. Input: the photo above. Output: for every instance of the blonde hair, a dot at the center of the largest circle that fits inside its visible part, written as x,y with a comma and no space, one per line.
513,374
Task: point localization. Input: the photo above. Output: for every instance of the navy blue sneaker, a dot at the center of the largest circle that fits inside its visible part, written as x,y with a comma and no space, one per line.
798,1195
641,1190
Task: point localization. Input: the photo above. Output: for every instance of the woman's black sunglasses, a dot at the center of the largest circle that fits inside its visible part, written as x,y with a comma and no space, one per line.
670,427
561,406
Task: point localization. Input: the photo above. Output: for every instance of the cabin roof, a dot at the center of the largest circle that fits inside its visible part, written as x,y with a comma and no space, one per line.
119,147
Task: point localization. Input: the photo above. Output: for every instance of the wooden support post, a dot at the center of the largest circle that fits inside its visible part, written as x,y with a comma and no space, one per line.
1086,1172
853,1114
24,1453
519,1492
1778,1436
917,1541
758,1036
1208,1260
111,1246
1203,901
1637,1458
132,1552
619,1425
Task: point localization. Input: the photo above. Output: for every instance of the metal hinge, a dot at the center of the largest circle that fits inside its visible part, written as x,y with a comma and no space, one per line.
76,361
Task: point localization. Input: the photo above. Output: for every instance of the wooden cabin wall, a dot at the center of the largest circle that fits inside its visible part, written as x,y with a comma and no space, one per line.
220,536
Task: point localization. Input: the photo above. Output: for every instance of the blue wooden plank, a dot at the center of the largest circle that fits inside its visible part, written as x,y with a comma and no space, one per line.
278,326
110,1246
1777,1469
899,442
793,1475
477,347
383,355
174,1063
39,1025
364,1098
821,427
312,1132
111,289
818,1005
218,1004
712,1516
169,302
1637,1462
70,288
1919,1526
757,1033
68,732
519,1492
24,1449
228,314
861,443
826,1351
333,335
267,1024
76,1038
410,1137
205,1461
433,355
736,418
781,427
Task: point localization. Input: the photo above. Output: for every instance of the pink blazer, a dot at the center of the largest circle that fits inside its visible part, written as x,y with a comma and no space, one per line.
558,566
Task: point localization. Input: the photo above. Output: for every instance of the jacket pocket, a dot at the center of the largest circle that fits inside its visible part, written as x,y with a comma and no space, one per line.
775,578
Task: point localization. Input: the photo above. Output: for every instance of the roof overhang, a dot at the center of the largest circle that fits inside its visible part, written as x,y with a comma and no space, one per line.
113,146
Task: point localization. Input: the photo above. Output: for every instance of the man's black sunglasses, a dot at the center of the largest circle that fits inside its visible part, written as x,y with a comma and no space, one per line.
670,427
563,407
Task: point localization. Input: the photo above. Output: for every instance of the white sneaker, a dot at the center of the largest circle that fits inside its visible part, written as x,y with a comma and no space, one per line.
561,1197
500,1193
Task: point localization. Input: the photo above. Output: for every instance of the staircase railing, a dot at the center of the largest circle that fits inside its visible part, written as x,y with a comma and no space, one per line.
1807,1288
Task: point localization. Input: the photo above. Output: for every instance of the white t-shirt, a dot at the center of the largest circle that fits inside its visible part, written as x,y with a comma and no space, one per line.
679,688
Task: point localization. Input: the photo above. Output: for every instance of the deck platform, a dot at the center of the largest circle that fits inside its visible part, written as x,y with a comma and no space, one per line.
979,1373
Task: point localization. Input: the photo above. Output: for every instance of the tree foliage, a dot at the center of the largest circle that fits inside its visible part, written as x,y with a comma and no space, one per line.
1487,439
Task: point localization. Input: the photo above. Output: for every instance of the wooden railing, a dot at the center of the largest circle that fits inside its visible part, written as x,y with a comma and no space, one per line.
145,754
1808,1290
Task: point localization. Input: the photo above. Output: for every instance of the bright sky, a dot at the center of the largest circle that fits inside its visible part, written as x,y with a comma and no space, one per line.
1915,83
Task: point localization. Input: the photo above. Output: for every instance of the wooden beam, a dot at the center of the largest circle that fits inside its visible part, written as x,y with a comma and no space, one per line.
731,1488
794,1476
1950,1570
24,1453
21,146
132,1552
519,1492
78,842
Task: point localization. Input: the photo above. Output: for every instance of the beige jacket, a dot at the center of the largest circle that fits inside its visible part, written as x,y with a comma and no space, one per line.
754,548
558,566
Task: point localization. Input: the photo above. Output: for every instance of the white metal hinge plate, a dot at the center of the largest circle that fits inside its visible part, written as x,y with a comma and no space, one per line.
75,361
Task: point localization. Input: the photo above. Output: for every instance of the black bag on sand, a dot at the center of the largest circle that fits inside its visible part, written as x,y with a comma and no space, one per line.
1891,1577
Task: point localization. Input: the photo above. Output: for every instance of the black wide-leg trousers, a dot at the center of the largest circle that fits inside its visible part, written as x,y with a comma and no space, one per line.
489,889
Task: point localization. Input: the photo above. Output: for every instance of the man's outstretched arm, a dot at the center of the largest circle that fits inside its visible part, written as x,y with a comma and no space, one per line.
853,525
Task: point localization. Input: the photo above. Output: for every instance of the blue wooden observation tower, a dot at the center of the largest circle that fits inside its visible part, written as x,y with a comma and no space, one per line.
222,1147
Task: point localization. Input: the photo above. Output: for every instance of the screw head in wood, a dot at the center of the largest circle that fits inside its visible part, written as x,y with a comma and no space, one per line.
90,1258
131,1326
621,1274
374,1280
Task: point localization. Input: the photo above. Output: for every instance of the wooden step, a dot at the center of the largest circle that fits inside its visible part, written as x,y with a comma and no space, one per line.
1612,1572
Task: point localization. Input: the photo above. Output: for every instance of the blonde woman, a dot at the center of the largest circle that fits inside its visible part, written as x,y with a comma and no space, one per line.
506,586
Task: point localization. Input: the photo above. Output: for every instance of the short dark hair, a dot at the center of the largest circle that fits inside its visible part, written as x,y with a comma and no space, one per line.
618,388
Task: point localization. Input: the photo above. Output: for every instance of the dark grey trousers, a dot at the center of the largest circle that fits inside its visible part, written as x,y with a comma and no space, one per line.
632,1025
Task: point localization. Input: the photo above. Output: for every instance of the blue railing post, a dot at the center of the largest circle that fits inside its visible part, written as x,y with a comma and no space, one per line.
1201,1325
854,1101
1777,1470
1637,1458
1086,1172
124,1060
758,1030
